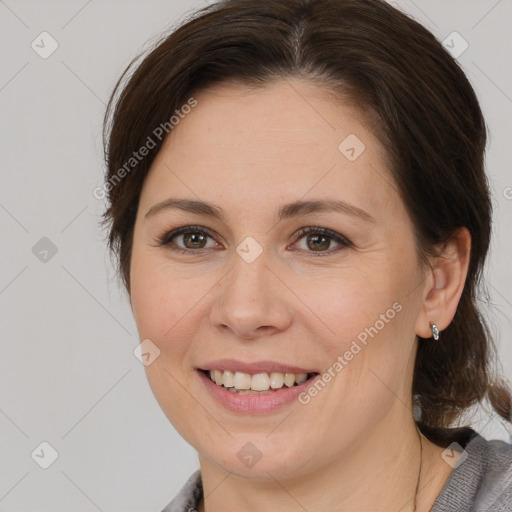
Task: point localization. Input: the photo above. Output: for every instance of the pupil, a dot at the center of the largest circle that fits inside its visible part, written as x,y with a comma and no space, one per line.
324,244
195,238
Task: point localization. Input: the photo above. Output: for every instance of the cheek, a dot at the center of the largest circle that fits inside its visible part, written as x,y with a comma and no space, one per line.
159,297
345,303
161,305
153,309
363,326
168,307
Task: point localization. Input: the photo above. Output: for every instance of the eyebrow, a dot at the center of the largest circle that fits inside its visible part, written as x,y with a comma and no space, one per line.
287,211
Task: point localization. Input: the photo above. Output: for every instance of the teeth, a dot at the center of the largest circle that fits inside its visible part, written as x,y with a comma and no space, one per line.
300,377
260,382
241,381
252,384
276,380
289,379
228,379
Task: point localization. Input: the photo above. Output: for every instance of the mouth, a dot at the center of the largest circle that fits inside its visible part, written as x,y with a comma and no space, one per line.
261,383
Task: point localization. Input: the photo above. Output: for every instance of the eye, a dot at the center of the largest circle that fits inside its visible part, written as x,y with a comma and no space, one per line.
316,240
319,240
188,239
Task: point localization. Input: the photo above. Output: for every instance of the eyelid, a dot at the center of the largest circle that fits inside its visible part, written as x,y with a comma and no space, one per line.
167,236
164,240
341,240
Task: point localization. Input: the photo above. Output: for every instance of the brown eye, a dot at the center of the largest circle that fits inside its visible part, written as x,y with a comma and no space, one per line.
194,240
320,241
188,239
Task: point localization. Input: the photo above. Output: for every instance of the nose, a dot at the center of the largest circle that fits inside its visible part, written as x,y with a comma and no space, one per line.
251,301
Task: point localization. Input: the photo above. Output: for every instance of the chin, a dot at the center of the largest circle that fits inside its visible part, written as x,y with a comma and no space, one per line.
259,458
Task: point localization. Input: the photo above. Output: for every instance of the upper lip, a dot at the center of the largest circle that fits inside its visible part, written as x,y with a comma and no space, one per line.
234,365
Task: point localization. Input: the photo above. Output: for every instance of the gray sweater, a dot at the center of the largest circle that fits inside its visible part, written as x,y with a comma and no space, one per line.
482,482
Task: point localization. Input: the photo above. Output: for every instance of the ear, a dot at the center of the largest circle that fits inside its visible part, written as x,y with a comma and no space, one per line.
444,284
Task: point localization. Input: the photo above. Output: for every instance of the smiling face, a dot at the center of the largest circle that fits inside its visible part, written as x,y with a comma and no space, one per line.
341,299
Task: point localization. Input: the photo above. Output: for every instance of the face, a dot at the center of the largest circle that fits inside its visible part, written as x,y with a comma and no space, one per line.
254,285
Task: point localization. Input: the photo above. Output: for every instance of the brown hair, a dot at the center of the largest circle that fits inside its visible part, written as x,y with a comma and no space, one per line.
428,118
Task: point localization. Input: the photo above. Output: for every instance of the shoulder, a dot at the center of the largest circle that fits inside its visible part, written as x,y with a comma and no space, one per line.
494,460
189,496
482,478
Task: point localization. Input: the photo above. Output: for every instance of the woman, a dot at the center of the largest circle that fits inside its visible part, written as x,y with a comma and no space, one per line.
300,214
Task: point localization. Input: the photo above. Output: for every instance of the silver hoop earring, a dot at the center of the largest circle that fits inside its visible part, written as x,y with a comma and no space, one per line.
435,331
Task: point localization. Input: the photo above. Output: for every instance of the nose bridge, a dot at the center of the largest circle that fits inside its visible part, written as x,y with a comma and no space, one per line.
249,299
248,284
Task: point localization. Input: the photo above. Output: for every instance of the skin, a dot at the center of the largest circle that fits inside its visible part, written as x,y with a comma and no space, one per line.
248,152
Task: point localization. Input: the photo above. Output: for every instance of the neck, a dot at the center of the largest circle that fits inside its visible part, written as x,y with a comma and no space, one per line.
358,480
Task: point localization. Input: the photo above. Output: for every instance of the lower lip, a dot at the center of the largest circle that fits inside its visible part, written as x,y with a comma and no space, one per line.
254,404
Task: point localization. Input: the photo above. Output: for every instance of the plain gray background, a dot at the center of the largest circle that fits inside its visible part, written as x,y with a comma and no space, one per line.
68,373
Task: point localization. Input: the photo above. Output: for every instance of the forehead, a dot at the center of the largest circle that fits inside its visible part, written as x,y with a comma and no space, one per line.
279,142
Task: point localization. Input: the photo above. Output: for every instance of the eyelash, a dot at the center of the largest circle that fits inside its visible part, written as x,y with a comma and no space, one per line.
166,238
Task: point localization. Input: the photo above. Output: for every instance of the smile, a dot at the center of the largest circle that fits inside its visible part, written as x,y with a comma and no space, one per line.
257,383
254,391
